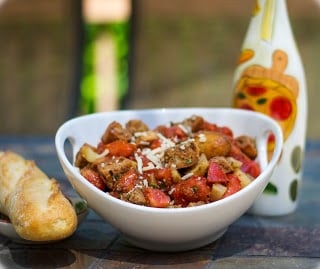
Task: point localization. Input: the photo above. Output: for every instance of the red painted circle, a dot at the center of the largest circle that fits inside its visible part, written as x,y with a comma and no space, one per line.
256,90
246,106
280,108
271,138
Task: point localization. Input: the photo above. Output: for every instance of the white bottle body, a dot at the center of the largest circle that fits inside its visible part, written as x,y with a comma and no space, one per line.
270,79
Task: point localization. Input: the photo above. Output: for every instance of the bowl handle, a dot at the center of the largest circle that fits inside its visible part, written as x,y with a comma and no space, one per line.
262,146
65,144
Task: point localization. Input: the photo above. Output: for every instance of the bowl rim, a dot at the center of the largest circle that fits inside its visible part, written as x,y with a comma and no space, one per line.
59,143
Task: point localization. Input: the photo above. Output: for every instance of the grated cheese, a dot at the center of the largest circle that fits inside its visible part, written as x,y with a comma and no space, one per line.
202,138
185,129
171,191
145,183
103,154
139,163
167,143
186,176
154,159
137,134
149,167
182,147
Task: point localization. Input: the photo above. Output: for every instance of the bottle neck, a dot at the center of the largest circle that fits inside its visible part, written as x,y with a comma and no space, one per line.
268,17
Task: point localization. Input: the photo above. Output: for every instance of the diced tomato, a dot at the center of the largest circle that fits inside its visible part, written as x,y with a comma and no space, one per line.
172,131
248,166
207,126
216,173
94,178
161,175
193,189
226,130
156,197
121,148
155,144
233,185
127,182
251,168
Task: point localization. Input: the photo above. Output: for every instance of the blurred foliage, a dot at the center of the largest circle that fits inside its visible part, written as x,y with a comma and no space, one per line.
120,35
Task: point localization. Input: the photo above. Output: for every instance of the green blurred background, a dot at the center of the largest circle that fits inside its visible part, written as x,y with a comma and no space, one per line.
182,53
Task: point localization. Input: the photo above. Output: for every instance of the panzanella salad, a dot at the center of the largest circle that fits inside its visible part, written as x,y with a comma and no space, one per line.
181,164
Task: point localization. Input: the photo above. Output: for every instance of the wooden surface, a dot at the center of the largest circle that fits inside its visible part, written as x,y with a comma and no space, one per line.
291,241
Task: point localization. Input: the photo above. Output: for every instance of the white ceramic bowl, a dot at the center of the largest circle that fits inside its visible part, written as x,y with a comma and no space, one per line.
169,229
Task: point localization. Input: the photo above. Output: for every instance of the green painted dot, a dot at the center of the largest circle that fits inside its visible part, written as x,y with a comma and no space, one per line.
296,159
261,101
294,190
241,95
271,189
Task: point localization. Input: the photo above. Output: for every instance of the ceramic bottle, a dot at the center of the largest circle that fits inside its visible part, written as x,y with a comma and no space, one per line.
270,78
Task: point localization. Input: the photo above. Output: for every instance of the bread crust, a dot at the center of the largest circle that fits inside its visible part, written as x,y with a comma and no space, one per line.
33,202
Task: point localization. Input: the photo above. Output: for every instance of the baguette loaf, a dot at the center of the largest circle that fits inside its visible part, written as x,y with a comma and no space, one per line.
34,203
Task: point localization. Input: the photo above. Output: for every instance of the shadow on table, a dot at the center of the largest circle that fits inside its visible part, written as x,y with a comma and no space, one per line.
38,258
237,240
108,249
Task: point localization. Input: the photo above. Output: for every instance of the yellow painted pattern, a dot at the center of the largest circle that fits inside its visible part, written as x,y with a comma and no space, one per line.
245,55
268,20
263,103
256,8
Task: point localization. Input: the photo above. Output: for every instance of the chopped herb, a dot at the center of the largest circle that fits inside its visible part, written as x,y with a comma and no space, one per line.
80,206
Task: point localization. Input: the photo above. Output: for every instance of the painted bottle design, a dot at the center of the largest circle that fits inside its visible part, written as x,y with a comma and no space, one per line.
269,78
